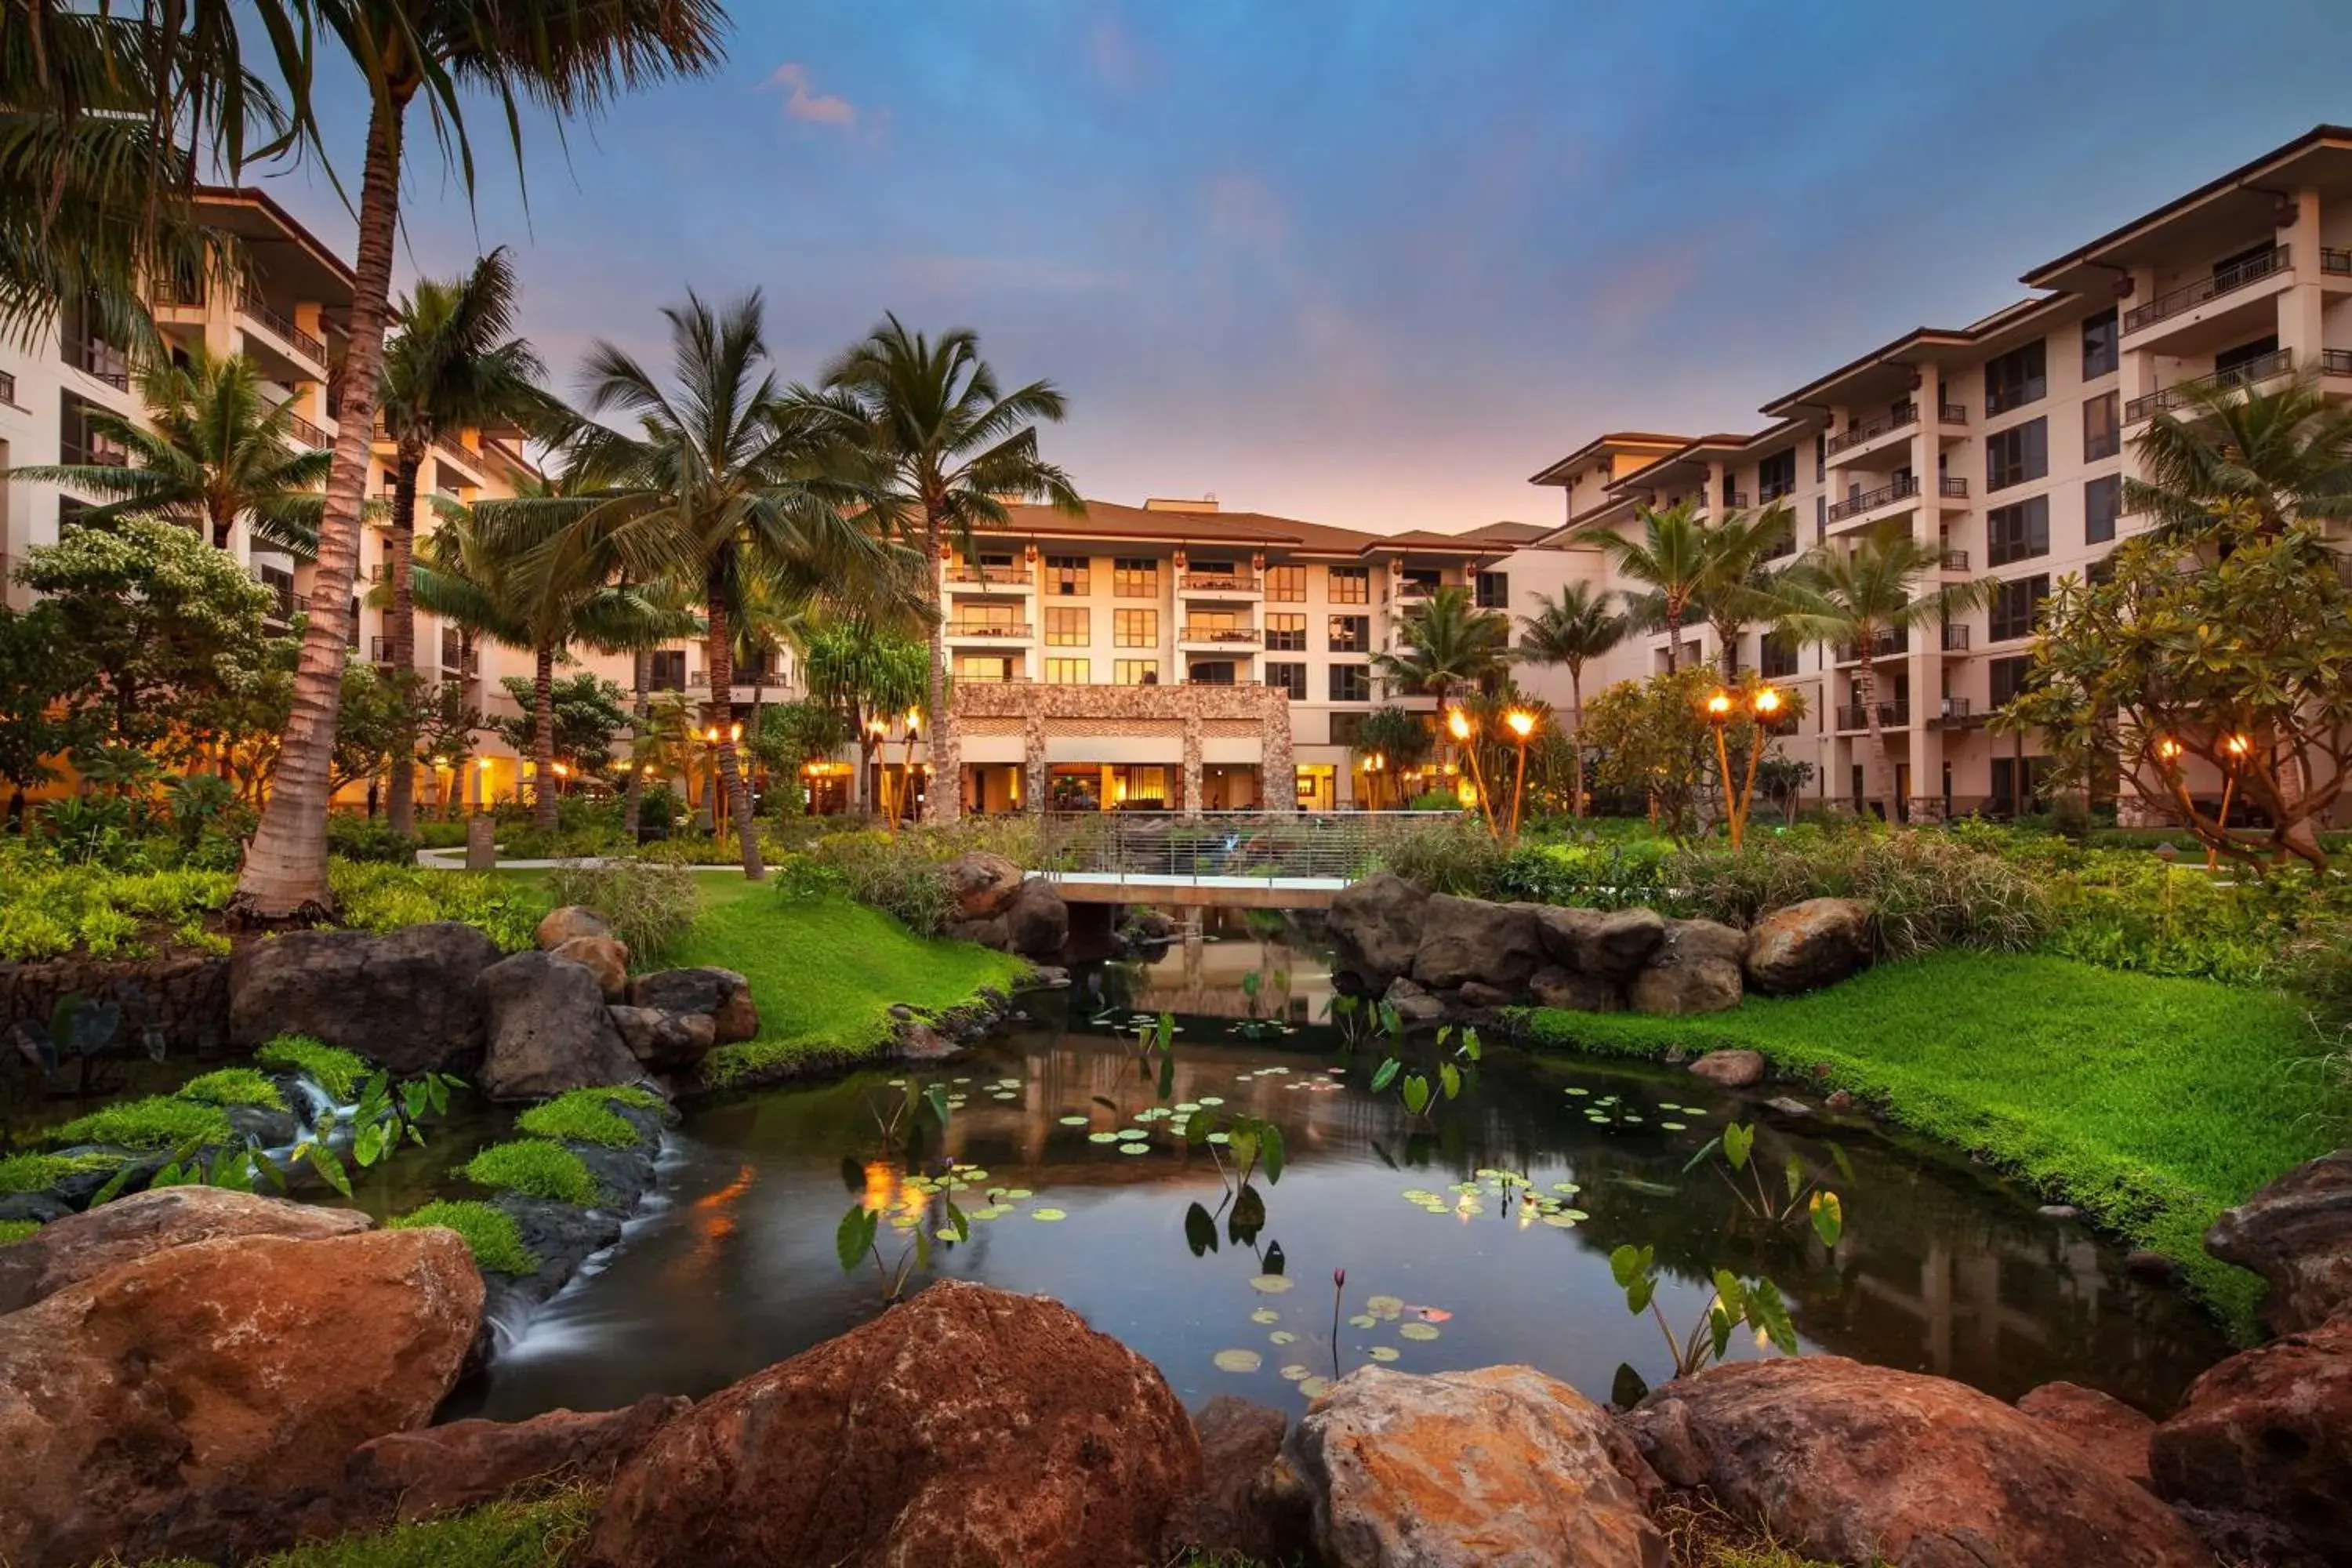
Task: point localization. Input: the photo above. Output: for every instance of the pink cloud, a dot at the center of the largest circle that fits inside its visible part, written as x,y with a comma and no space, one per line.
806,103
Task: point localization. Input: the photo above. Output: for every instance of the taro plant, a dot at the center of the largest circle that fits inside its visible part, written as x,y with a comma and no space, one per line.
81,1030
1355,1018
1754,1302
1799,1196
859,1237
1417,1086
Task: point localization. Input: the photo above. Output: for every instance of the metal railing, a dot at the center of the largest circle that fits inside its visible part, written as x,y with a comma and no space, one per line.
2331,259
99,359
1889,642
1890,714
251,304
1953,709
1733,499
380,650
1011,631
9,390
308,434
1239,636
1871,430
95,452
1952,489
1220,583
2336,362
1955,639
1955,561
988,574
2278,361
2224,280
1871,500
1952,413
1173,845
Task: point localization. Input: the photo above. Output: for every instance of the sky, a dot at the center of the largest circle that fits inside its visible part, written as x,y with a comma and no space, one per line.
1369,263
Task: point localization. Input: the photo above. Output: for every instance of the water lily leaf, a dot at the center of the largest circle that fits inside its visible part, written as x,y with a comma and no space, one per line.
1576,1090
1266,1315
1239,1360
1047,1216
1383,1352
1416,1332
1384,1306
1298,1373
1738,1141
1270,1151
1134,1148
1282,1337
1362,1321
1102,1137
1674,1126
1629,1263
1829,1218
1315,1387
1212,1099
1271,1284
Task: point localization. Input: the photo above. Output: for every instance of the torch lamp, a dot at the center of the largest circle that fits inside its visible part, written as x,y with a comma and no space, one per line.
1522,725
2235,748
1761,705
1464,731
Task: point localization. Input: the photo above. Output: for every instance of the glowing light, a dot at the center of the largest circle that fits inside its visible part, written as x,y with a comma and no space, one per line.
1718,707
2236,745
1522,722
484,764
561,771
1466,793
1767,701
1458,723
2168,749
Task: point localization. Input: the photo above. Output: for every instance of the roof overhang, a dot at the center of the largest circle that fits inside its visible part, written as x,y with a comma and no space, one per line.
280,248
1616,443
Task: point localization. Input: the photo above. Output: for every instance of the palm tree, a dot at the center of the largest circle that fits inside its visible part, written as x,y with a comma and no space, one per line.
728,485
1737,589
567,57
863,670
1449,643
946,446
1851,596
211,450
451,366
2277,458
1571,631
1402,741
1671,558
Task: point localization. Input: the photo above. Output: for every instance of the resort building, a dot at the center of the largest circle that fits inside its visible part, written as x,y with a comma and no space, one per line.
2004,443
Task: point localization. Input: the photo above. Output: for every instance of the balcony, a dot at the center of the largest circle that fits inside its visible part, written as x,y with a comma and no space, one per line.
305,433
1003,579
1955,639
1953,710
90,451
2268,367
1949,488
9,390
279,325
1892,715
1892,643
99,360
1952,413
989,631
1221,585
1954,560
1734,501
1776,490
2334,263
1868,501
2336,362
2224,282
1413,591
1857,438
1191,636
380,651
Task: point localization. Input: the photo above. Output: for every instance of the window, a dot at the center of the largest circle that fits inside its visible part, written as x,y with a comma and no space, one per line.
984,666
2102,502
1494,590
1820,456
1066,671
2015,605
2018,454
2245,355
1351,586
1821,518
1347,728
2017,532
1779,656
1352,683
1066,627
2015,379
1135,628
1286,633
2102,427
668,669
1135,577
1135,671
1288,678
1211,672
1066,577
1286,585
999,618
2101,343
2009,676
1351,633
1775,476
2017,784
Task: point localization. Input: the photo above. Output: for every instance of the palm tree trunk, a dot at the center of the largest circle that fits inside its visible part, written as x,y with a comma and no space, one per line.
542,741
719,655
399,630
1865,681
284,873
1576,740
944,803
633,796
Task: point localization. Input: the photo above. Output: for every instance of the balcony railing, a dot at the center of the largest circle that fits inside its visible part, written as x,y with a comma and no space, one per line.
1871,500
2277,362
1871,430
1955,561
1414,589
2336,362
2224,280
306,433
1887,644
1952,413
1776,490
9,390
2338,262
281,590
457,452
991,575
1955,639
1952,708
1239,636
1952,489
92,452
380,650
1010,631
1733,499
97,358
1890,715
1220,583
252,304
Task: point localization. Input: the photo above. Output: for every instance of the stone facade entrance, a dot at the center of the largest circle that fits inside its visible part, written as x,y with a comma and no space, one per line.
1237,737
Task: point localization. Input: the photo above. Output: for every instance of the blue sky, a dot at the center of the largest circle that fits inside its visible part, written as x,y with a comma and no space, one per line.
1370,262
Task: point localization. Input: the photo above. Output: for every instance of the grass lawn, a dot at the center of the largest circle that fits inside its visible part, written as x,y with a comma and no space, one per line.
824,972
2149,1103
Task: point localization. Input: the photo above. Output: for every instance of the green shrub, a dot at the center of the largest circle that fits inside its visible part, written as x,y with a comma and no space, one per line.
386,897
16,1230
369,840
1453,853
648,905
534,1168
894,873
491,1231
233,1086
1603,873
49,906
39,1172
159,1121
1926,890
584,1115
334,1070
441,832
634,1095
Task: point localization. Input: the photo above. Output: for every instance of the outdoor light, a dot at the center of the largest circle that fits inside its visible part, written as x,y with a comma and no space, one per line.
1522,724
1718,708
1460,726
2235,748
1458,723
1761,705
484,764
2236,745
2167,750
561,771
1767,701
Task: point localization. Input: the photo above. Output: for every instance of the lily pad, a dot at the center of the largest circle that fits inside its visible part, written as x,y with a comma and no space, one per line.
1416,1330
1274,1284
1238,1360
1383,1352
1362,1321
1102,1137
1282,1337
1297,1373
1076,1120
1211,1099
1266,1315
1015,1194
1384,1306
1315,1387
1048,1216
1134,1148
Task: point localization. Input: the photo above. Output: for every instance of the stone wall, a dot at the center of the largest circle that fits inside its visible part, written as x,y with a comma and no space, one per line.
1185,712
185,998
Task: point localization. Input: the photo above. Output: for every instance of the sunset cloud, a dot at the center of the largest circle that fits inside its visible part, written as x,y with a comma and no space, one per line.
806,103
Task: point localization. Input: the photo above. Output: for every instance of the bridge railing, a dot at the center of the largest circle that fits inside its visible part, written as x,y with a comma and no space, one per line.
1323,847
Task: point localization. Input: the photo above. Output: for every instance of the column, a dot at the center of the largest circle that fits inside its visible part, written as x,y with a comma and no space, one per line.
1033,759
2303,309
1924,668
1191,765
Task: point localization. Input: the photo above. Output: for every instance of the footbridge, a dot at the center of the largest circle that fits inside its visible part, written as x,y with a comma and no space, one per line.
1251,860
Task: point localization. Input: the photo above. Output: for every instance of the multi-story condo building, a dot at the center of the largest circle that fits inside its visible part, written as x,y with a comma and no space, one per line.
2006,442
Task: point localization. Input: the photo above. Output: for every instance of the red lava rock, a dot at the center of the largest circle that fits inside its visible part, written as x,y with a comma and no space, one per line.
2110,1431
466,1464
83,1246
2269,1432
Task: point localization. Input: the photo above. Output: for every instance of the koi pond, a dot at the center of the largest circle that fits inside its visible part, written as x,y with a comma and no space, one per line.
1137,1186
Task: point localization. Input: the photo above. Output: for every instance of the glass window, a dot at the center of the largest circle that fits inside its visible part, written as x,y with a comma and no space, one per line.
1135,671
1352,683
1775,476
2009,676
1135,628
1069,627
1288,677
1135,577
984,666
2102,502
2101,343
1066,577
2017,532
1351,586
999,618
668,669
2102,427
1351,633
1286,633
2016,605
2015,379
1286,585
1066,671
1493,590
1346,728
1780,660
2018,454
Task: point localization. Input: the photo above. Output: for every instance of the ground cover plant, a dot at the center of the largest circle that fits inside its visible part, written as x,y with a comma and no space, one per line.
489,1231
533,1168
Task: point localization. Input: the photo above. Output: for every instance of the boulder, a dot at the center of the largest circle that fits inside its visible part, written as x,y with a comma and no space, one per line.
83,1246
549,1030
966,1425
1232,1513
2108,1430
1470,939
1502,1467
183,1404
2269,1434
1806,946
721,993
606,958
1478,994
2297,1233
1555,985
665,1042
409,1001
408,1475
988,932
1694,969
1732,1069
982,884
1375,927
1857,1464
1614,945
1038,923
1413,1002
919,1041
570,923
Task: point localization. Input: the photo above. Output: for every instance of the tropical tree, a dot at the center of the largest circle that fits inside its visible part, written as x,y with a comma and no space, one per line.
1850,597
2274,459
1738,588
39,672
211,450
1571,631
1448,643
1671,559
453,365
945,446
1400,741
567,57
865,672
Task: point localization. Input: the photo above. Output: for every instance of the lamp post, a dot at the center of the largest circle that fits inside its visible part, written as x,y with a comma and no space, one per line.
907,764
1464,731
2235,748
1760,706
1522,725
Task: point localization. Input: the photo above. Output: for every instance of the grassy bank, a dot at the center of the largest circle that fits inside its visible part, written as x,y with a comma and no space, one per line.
825,973
2149,1103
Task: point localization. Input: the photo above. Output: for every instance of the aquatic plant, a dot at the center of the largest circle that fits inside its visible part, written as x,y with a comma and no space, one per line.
1805,1197
583,1115
1420,1090
158,1121
489,1231
336,1070
1755,1302
533,1168
234,1085
858,1238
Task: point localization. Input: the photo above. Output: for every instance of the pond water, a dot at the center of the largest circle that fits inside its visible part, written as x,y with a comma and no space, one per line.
1942,1269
